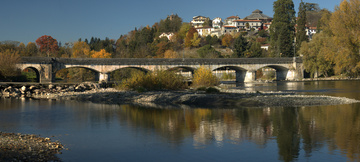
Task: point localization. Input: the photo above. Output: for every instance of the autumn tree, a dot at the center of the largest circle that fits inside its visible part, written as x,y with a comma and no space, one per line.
171,54
100,54
195,42
8,45
189,37
282,28
31,49
227,40
317,55
344,24
81,50
47,44
8,61
301,26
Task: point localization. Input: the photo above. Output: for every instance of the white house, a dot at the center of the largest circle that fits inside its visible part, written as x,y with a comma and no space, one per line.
198,21
252,24
167,35
204,31
217,23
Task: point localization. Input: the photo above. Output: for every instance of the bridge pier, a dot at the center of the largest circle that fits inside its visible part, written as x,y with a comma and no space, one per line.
104,77
250,76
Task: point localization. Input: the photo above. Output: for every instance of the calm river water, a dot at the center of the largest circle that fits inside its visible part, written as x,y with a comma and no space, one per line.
97,132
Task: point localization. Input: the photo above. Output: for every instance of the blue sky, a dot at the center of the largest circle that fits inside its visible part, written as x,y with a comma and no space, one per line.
69,20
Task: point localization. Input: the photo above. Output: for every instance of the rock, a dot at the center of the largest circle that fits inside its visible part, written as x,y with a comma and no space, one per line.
23,89
58,88
71,88
51,86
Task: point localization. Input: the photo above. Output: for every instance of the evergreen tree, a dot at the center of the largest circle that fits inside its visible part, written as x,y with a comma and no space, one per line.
282,29
240,46
300,29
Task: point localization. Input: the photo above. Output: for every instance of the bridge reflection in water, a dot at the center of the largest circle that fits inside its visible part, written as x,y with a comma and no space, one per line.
244,68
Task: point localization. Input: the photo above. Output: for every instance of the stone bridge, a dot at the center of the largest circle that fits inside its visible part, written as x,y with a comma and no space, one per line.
245,68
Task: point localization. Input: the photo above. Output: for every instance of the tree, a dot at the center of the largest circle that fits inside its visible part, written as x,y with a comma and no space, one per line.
171,54
21,49
31,49
195,42
208,52
317,55
8,61
81,50
282,28
8,45
344,24
100,54
240,46
227,40
47,44
254,50
189,37
203,77
185,27
301,26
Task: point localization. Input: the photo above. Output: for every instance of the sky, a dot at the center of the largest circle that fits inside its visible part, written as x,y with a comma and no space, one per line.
69,20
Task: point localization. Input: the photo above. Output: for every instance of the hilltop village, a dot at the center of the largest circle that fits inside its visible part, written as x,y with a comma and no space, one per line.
256,21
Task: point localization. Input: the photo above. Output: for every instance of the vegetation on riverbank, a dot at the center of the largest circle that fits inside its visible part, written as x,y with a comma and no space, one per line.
157,80
336,49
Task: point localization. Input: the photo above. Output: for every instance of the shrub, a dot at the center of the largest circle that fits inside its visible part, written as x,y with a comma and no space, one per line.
204,77
212,90
157,80
8,61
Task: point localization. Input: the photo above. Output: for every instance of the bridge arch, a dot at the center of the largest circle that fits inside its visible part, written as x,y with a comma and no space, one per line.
30,74
281,72
86,74
238,72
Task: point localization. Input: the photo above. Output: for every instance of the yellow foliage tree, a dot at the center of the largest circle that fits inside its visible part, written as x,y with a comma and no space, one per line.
8,61
171,54
195,42
100,54
81,50
345,25
203,77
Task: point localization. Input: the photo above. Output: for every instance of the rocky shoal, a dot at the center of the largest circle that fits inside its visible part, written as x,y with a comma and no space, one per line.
20,147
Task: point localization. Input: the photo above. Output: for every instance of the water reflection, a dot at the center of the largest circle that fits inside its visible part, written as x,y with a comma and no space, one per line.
297,133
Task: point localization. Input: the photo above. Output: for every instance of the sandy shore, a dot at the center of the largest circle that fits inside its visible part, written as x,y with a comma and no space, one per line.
198,99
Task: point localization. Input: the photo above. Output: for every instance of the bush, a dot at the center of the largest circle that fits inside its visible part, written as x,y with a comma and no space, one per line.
8,61
158,80
204,77
212,90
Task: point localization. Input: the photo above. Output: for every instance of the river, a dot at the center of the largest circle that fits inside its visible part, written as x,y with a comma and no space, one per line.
98,132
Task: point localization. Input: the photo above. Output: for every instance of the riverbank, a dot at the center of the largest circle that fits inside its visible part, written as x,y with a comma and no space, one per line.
20,147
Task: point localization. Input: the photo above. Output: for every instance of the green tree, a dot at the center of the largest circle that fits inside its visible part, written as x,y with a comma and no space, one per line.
282,29
240,46
301,26
195,42
254,50
208,52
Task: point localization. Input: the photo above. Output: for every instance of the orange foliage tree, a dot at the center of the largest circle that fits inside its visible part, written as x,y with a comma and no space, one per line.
100,54
47,44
